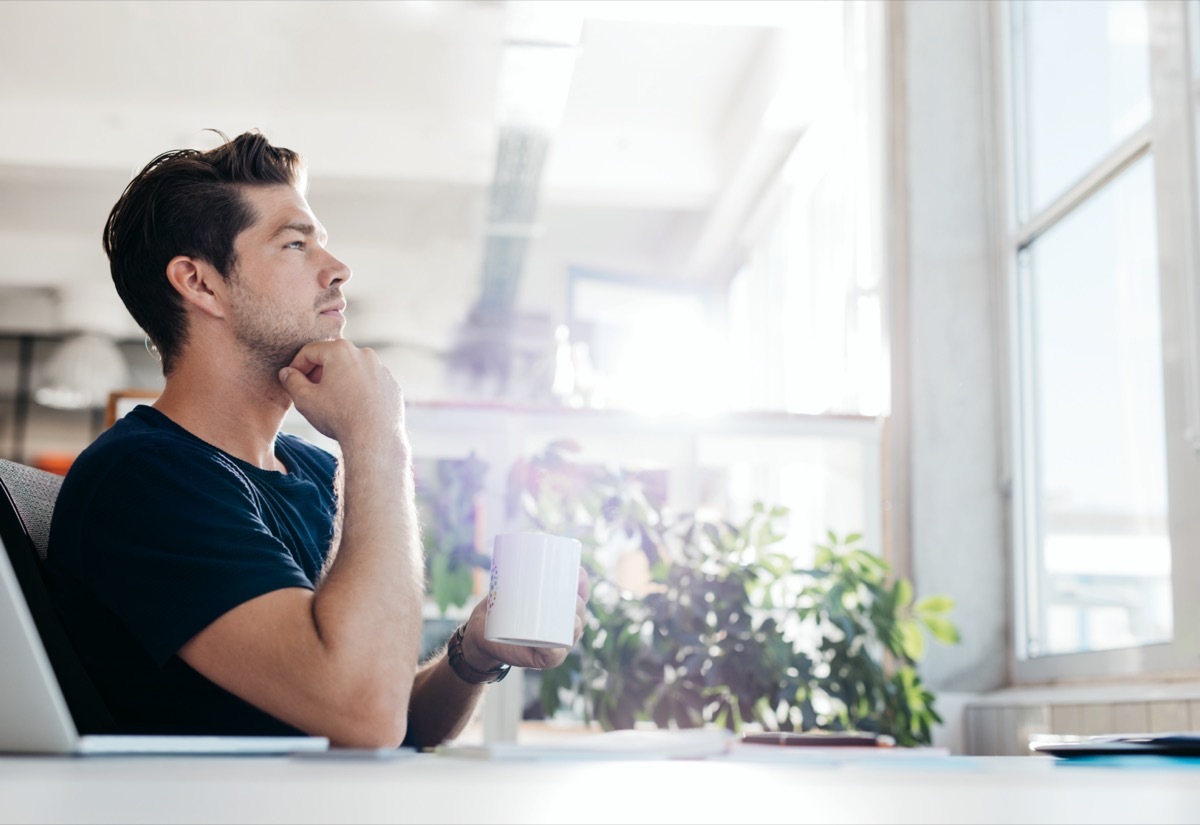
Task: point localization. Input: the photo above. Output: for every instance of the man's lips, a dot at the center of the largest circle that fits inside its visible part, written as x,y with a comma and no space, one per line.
335,309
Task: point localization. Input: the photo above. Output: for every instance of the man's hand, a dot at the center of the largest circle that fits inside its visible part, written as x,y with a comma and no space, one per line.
343,390
482,654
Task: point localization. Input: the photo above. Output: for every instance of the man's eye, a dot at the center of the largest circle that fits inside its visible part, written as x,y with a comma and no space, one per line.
294,245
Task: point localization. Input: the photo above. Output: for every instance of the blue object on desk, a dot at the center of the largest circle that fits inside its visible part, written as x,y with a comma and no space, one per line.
1141,761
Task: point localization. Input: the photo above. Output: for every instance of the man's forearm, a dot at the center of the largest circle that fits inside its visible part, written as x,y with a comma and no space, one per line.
367,607
442,704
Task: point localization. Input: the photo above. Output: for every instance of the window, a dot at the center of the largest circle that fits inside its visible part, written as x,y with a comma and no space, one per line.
806,310
1102,331
800,328
645,347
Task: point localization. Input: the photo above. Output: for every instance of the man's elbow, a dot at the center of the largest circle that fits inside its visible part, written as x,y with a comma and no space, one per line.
371,729
371,718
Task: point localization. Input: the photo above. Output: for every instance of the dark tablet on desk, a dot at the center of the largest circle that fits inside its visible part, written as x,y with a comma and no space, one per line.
1161,744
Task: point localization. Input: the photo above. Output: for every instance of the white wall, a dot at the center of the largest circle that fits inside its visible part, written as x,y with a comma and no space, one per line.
958,530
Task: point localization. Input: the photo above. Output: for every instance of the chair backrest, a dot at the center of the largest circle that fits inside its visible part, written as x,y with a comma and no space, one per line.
32,493
27,497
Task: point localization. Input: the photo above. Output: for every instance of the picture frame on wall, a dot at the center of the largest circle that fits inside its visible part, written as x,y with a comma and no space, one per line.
122,401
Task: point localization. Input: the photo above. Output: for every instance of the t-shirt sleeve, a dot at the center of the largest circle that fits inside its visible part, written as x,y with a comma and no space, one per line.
194,535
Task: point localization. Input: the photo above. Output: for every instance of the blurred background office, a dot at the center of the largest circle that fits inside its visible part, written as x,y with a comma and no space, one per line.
920,269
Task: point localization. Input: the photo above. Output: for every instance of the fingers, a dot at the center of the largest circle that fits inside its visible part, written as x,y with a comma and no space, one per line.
308,363
304,363
312,355
324,375
290,377
296,383
585,592
478,618
580,617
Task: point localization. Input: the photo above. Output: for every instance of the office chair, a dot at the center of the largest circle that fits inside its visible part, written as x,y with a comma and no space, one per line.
32,493
27,497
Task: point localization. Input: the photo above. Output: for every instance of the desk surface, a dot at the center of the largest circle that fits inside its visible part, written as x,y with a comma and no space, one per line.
428,788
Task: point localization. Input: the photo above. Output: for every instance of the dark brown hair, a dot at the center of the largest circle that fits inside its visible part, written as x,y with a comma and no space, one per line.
186,202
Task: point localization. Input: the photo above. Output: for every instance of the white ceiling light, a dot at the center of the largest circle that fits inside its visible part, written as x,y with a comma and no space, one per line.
81,373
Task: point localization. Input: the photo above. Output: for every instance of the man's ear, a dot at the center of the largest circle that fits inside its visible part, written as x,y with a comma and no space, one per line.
199,283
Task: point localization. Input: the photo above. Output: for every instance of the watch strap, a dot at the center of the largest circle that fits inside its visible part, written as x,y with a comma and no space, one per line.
463,669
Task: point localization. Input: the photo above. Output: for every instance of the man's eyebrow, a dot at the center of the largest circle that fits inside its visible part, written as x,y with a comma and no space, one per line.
304,228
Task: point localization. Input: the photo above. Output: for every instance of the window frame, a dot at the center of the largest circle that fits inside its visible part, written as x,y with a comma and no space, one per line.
1168,137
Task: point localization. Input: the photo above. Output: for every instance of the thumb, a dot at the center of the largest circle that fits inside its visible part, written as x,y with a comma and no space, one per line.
292,379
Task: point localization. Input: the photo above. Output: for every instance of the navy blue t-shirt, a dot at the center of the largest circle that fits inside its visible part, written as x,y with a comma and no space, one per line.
156,534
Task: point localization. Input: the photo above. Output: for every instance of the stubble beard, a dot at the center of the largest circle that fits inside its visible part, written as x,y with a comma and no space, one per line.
270,339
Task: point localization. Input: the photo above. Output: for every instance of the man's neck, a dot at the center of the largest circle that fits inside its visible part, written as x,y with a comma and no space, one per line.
237,413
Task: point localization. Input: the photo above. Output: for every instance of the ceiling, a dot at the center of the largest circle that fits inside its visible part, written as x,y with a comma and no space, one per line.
676,115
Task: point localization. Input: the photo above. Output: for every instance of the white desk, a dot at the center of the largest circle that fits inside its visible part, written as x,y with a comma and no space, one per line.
433,789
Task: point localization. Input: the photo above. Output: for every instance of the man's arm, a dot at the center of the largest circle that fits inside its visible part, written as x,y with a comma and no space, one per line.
338,661
443,703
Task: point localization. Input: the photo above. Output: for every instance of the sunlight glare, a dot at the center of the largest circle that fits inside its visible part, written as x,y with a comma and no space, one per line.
672,362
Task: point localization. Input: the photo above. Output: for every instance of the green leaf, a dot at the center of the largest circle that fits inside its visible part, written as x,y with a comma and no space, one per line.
438,585
912,640
823,557
942,629
933,604
904,593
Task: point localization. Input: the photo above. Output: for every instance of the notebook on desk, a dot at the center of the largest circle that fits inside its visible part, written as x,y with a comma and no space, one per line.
34,717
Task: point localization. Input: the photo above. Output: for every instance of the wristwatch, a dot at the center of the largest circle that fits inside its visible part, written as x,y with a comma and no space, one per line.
463,669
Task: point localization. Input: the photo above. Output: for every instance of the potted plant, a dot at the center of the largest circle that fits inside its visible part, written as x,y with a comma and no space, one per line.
727,629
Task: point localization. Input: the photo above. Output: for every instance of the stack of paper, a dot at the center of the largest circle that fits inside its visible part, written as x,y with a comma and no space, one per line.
620,744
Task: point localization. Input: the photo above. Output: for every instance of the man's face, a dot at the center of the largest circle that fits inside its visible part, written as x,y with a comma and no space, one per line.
285,290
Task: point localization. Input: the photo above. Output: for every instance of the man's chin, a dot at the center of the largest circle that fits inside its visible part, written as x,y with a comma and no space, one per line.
331,329
328,336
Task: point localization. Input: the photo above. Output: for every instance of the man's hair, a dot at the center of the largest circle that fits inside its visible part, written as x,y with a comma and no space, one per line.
186,202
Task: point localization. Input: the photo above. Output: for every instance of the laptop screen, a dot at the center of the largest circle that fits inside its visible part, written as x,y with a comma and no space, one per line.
33,713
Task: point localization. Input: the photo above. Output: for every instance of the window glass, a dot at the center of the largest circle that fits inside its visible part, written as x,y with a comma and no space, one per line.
1083,79
1101,563
645,348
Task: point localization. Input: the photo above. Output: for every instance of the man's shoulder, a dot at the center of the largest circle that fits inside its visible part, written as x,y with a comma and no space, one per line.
137,466
137,444
139,431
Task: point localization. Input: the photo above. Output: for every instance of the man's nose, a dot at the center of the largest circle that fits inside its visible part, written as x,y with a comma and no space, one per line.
334,272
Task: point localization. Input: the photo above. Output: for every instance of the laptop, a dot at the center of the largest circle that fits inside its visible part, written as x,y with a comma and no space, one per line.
34,717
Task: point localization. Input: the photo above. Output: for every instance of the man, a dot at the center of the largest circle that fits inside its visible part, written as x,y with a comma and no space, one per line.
220,577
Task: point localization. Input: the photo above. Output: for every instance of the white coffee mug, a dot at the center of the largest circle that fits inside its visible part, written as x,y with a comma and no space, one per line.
535,584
